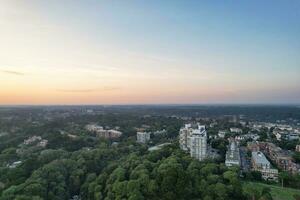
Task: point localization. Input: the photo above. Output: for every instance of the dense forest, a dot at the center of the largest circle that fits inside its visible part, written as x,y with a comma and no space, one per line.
128,172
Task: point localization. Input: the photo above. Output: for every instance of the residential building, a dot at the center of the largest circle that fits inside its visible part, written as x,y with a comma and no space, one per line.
194,140
281,158
233,154
259,160
236,130
111,134
293,136
198,146
286,134
32,140
221,134
260,163
93,127
43,143
243,123
101,132
143,137
160,132
184,133
253,146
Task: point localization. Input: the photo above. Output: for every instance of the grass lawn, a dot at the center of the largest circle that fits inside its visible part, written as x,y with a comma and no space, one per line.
277,192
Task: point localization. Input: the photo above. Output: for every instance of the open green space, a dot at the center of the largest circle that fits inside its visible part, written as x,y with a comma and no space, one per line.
277,192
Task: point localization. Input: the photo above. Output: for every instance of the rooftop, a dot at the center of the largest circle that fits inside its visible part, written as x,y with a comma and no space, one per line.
260,158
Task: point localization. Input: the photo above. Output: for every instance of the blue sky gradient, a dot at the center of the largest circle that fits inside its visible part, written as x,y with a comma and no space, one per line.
246,50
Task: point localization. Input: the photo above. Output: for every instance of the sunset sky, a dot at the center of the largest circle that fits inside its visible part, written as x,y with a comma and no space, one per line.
149,52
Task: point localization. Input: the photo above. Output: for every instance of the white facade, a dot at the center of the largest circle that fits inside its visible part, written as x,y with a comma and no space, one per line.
233,155
93,127
142,137
183,136
194,140
236,130
221,134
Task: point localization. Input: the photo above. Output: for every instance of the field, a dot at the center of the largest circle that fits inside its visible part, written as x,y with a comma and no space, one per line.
277,192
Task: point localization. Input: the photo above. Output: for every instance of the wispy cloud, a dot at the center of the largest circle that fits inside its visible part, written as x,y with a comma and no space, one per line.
12,72
76,91
89,90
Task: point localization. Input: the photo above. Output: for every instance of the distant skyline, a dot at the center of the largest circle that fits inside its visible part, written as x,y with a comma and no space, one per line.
149,52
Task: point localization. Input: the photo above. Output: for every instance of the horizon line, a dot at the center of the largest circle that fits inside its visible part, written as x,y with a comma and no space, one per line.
154,104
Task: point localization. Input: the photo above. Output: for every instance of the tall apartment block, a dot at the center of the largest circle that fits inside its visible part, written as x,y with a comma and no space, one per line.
233,154
194,140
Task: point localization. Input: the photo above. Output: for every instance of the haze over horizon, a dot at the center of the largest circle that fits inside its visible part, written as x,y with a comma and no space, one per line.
149,52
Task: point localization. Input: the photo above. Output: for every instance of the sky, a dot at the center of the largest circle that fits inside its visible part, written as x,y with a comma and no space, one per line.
149,52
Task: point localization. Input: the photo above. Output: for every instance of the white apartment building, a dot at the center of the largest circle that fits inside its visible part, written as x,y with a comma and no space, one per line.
143,137
221,134
233,154
236,130
194,140
184,133
93,127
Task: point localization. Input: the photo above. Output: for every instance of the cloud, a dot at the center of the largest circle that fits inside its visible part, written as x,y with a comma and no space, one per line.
76,91
107,88
12,72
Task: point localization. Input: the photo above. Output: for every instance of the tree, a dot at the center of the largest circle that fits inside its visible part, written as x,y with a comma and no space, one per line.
252,193
283,176
296,157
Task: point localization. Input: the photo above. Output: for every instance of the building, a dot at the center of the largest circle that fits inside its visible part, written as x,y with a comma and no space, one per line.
253,146
286,134
143,137
243,123
198,146
194,140
221,134
281,158
42,143
184,133
259,160
297,148
233,154
101,132
160,132
110,134
293,136
32,140
236,130
93,127
260,163
158,147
